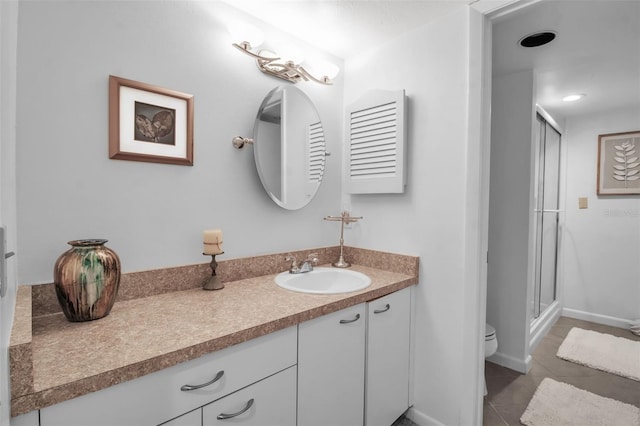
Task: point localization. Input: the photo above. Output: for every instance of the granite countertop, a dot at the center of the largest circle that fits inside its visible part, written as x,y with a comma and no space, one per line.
53,360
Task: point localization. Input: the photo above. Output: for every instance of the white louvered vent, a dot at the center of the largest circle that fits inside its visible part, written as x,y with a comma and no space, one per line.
316,152
376,143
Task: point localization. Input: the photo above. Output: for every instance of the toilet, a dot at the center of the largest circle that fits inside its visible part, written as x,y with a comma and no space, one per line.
490,345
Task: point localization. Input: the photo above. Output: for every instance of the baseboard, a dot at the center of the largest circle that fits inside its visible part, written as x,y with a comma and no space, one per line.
541,326
521,366
597,318
421,419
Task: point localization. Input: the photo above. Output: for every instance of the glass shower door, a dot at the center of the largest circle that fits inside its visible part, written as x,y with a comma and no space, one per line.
547,215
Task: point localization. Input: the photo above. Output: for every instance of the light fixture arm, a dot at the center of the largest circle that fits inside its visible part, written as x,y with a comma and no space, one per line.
287,70
245,47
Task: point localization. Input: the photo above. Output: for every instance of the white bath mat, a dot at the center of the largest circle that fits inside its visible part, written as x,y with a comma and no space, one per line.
556,403
604,352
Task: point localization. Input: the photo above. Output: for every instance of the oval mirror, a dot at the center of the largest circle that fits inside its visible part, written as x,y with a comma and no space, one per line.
289,147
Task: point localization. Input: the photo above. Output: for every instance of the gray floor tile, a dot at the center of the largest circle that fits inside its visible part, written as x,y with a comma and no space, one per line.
510,392
505,391
495,370
562,368
539,370
511,415
491,416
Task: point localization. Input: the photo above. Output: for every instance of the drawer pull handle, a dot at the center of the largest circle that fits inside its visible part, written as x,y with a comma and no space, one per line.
194,387
223,416
379,311
351,320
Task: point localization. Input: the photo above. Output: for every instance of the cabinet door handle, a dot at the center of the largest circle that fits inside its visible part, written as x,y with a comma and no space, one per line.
379,311
351,320
223,416
194,387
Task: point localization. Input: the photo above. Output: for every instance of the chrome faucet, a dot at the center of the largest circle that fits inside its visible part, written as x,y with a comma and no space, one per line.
305,266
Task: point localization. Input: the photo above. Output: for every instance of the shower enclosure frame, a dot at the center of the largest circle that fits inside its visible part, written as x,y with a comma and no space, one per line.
541,320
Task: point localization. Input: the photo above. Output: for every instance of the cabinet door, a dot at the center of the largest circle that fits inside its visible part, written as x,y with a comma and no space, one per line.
331,369
193,418
270,402
388,335
31,418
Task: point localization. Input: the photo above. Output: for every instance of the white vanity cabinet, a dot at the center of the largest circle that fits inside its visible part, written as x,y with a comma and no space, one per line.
346,368
331,369
192,418
162,396
387,367
353,365
270,402
29,419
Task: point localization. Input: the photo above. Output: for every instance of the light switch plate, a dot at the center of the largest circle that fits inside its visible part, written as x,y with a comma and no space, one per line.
583,203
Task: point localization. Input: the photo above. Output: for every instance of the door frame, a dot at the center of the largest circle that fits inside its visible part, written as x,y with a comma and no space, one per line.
491,11
8,65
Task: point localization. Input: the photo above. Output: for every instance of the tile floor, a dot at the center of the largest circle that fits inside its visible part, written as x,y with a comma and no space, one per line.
510,392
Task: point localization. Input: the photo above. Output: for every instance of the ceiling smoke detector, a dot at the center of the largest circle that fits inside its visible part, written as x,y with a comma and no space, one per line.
537,39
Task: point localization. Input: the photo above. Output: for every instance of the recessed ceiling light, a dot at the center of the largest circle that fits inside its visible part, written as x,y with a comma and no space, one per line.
573,98
537,39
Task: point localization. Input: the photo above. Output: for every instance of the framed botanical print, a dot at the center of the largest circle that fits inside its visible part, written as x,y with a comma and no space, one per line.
619,163
149,123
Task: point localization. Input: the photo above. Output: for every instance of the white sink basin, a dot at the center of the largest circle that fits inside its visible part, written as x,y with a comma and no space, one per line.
324,281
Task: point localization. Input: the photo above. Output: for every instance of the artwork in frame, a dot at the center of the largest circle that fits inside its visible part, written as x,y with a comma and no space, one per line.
619,163
149,123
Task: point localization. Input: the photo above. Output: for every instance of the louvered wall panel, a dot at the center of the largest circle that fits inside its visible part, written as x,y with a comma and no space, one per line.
376,143
316,152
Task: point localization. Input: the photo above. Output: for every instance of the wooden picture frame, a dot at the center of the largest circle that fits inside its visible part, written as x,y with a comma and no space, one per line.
619,163
149,123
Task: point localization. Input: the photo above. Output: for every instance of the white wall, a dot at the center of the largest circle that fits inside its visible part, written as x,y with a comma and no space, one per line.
8,46
602,243
510,216
152,214
429,219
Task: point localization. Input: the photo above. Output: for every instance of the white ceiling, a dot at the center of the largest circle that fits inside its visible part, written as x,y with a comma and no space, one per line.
346,27
597,51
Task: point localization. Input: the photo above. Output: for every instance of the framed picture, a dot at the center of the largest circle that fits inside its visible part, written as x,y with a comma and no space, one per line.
619,163
149,123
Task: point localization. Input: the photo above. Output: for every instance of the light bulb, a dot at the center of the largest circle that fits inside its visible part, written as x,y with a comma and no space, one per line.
321,68
242,31
290,53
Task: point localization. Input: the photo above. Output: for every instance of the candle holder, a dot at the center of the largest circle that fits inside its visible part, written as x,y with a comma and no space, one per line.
213,282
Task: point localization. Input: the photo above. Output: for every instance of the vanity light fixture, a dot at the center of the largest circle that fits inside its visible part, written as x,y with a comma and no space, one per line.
269,63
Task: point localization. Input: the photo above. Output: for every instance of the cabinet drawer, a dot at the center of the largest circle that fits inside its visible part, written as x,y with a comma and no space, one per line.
158,397
270,402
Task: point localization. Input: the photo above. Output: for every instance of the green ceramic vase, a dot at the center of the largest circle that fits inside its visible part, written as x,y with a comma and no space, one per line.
86,279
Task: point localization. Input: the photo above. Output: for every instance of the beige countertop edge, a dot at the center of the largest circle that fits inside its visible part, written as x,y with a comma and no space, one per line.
21,329
25,403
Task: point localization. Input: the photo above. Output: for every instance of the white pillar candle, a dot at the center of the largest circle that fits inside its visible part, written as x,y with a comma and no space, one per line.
212,241
212,236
